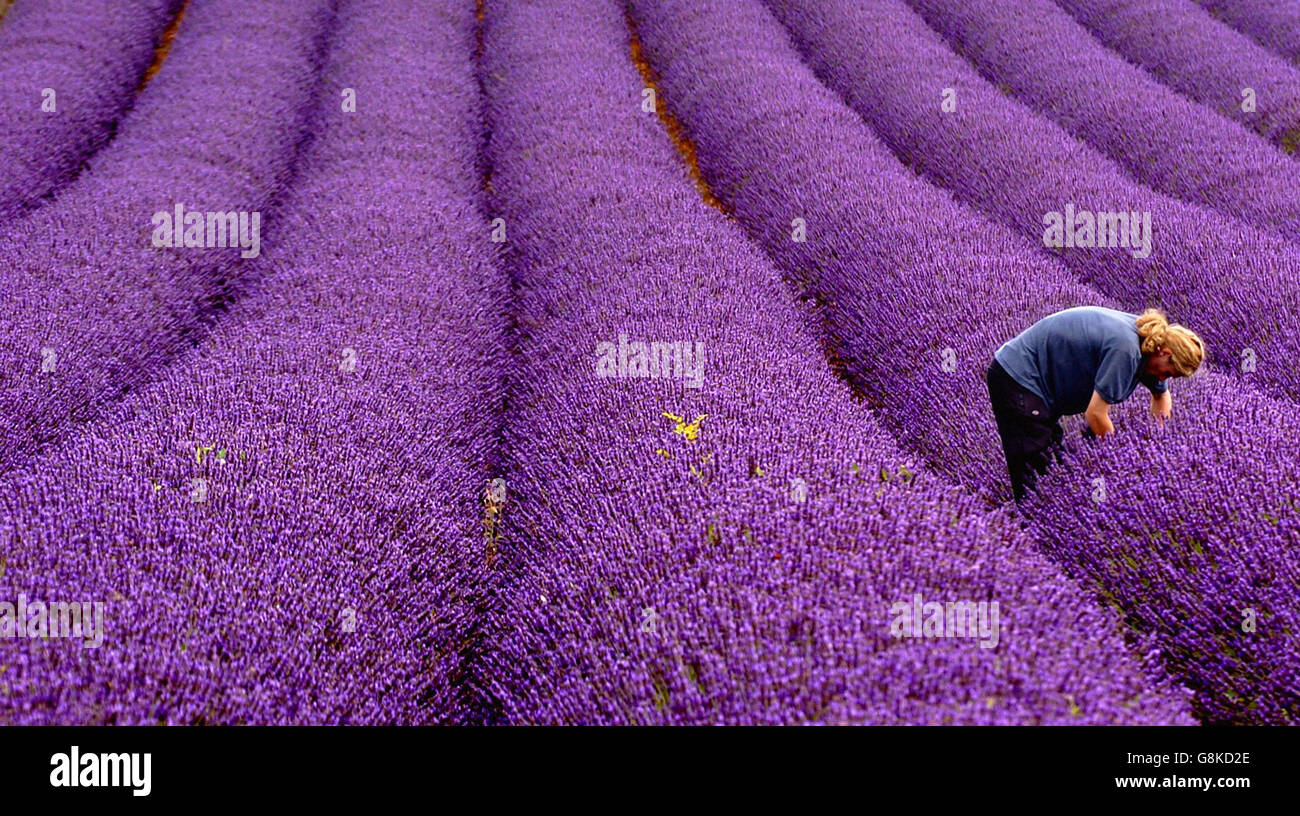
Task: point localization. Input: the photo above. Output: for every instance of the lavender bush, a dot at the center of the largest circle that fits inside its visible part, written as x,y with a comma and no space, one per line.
1187,49
1053,64
1234,284
92,308
917,293
728,553
286,526
1275,23
68,69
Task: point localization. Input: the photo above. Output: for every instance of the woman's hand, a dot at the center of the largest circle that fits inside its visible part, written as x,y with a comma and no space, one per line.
1098,416
1162,405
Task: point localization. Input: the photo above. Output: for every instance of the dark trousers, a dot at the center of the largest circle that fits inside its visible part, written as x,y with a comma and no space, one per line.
1031,435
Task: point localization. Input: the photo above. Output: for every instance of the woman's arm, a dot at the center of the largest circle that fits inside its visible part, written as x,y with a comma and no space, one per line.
1162,405
1098,416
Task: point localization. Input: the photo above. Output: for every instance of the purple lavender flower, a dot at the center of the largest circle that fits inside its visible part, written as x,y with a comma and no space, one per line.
92,307
68,70
1235,284
286,526
507,424
726,554
1275,23
1187,49
1195,523
1050,62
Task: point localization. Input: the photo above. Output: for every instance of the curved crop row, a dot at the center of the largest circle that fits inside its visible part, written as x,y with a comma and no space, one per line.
918,292
1053,64
285,527
62,95
1274,23
757,585
91,306
1235,284
1187,49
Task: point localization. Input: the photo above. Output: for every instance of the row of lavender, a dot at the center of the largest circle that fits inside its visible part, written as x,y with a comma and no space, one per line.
1233,283
1189,530
68,70
1050,62
1187,49
93,305
1275,23
285,526
725,542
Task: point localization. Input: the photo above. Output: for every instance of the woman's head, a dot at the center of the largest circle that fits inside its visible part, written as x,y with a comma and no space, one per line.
1170,349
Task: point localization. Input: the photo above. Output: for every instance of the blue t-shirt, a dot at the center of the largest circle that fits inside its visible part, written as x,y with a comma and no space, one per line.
1065,356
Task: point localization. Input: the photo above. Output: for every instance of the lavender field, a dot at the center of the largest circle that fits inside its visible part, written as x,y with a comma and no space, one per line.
485,362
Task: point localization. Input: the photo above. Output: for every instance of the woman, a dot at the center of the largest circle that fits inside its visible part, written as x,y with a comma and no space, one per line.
1081,360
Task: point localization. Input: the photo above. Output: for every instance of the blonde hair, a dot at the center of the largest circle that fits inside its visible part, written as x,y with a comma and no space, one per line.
1187,350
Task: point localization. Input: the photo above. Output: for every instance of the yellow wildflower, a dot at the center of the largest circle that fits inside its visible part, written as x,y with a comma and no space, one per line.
690,431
